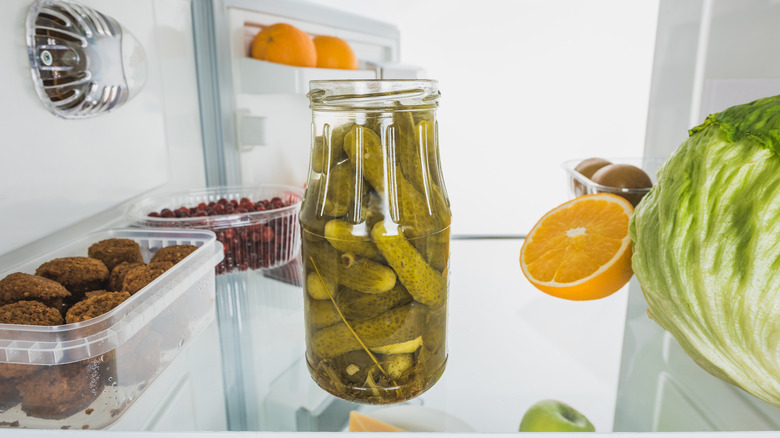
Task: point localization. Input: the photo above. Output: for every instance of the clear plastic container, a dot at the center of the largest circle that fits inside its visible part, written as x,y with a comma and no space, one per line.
87,374
579,185
251,240
375,248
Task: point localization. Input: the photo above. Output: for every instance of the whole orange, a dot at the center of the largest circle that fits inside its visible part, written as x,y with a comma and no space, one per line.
285,44
334,52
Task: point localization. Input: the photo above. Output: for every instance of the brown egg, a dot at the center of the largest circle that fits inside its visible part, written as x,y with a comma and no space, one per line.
587,168
624,176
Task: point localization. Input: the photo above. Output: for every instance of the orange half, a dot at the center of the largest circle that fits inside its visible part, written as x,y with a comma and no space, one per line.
580,250
362,423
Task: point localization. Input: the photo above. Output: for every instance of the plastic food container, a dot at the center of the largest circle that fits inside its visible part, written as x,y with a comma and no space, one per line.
579,185
252,240
87,374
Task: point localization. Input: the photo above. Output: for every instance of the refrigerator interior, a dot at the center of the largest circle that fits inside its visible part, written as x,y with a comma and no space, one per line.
208,115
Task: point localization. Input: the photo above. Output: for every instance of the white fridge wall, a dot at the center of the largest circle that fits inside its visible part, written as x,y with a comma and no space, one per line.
55,172
181,106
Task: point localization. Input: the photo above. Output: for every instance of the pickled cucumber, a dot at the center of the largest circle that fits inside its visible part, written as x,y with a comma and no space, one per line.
328,148
318,154
317,289
424,283
403,139
373,210
359,306
404,203
433,352
399,347
435,249
397,364
310,216
346,237
364,149
426,132
442,207
417,217
347,269
322,313
364,275
326,258
427,116
339,195
397,325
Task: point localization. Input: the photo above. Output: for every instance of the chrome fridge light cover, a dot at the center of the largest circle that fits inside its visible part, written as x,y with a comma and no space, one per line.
83,63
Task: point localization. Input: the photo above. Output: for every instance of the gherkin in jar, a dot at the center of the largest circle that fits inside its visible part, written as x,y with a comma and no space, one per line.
375,233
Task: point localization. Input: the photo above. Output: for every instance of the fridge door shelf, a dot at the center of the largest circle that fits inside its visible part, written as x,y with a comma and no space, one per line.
263,77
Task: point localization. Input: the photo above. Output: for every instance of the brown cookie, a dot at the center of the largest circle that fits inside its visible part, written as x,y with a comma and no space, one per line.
173,253
20,286
117,276
95,305
29,313
59,391
114,251
77,274
26,313
138,277
94,293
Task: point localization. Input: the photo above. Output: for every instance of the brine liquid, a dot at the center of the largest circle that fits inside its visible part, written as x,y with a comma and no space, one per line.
368,339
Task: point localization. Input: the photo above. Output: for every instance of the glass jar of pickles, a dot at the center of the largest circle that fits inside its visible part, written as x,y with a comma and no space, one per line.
375,240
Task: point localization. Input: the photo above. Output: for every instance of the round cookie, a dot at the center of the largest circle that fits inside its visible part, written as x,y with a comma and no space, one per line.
26,287
29,313
25,313
95,305
59,391
77,274
114,251
138,277
173,253
117,276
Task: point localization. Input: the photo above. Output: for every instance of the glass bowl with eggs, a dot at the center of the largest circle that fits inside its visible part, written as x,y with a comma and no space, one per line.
628,177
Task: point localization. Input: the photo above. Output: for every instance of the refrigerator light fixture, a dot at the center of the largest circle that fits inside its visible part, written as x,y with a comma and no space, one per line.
83,63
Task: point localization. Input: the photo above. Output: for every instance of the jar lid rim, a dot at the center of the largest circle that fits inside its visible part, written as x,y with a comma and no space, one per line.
374,92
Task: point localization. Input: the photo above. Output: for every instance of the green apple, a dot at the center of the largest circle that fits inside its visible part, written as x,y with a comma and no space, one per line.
554,416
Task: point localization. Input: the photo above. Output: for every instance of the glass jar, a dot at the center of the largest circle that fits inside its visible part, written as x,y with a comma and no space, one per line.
375,231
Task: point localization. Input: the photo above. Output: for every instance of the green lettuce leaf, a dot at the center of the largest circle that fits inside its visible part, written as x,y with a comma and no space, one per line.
706,242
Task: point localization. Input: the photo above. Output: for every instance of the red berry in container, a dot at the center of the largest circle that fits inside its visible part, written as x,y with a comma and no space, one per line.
267,234
249,241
